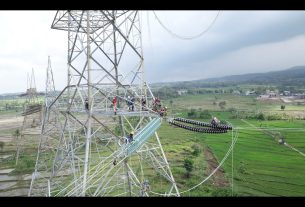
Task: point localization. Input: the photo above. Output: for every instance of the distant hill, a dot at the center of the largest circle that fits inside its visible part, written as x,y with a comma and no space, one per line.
294,76
17,95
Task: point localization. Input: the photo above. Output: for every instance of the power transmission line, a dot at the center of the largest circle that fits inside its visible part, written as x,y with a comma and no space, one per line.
186,37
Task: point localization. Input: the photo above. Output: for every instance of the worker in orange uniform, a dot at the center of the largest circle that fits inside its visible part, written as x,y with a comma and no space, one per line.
114,103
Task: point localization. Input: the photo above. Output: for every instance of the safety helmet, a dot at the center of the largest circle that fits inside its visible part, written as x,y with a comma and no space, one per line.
131,132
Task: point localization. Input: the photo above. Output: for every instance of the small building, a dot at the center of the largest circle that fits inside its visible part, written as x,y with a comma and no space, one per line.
299,96
287,93
271,94
250,93
181,92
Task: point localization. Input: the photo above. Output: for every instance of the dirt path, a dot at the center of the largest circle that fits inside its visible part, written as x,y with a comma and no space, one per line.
219,179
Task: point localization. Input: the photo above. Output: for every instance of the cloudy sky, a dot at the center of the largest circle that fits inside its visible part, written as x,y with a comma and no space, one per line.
238,42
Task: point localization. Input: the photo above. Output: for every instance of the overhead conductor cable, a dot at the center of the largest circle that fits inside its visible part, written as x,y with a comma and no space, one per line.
187,37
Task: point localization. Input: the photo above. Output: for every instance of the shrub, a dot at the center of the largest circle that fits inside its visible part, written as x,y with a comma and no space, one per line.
192,113
242,168
197,149
282,107
205,114
260,116
188,165
274,117
232,110
222,104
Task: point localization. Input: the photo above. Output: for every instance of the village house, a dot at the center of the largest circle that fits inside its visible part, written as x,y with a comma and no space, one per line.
181,92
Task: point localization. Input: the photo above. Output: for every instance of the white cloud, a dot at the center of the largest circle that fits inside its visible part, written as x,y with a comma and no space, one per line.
26,41
258,58
239,42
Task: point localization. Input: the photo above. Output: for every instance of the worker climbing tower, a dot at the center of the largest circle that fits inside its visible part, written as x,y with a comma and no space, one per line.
32,117
84,148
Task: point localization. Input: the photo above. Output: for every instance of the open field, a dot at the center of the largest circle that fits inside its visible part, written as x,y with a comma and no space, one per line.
261,166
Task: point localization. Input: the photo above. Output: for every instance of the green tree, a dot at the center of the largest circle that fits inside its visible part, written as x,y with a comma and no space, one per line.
260,116
282,107
189,166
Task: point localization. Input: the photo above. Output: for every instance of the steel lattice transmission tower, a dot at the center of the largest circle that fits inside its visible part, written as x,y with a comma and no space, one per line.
83,149
32,113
